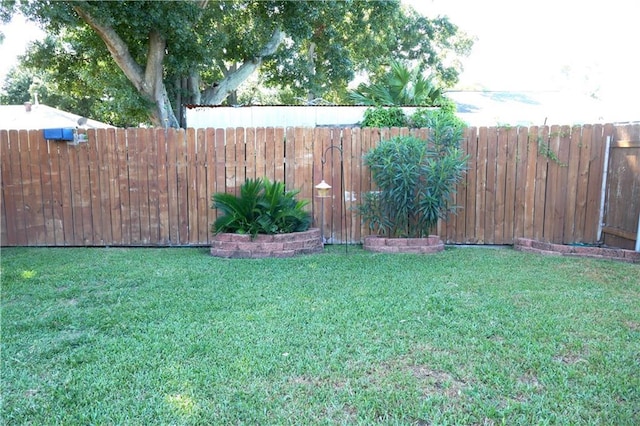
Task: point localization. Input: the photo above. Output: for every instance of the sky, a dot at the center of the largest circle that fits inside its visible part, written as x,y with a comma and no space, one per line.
583,46
586,46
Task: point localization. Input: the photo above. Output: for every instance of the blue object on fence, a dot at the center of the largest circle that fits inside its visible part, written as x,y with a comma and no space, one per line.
64,134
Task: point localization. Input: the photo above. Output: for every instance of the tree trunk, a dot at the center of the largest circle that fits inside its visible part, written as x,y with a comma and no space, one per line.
148,82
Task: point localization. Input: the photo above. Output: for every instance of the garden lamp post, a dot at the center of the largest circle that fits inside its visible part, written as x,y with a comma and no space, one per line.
323,192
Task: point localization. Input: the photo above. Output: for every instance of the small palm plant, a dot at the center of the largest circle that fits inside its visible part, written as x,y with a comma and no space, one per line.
415,180
263,207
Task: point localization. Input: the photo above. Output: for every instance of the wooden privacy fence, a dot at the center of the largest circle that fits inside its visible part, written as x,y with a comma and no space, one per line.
153,187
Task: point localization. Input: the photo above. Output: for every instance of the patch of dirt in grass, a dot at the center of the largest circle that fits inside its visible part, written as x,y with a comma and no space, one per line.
530,379
436,381
306,381
632,325
569,358
69,302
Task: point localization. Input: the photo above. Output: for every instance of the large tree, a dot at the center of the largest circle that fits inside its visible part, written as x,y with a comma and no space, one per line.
200,51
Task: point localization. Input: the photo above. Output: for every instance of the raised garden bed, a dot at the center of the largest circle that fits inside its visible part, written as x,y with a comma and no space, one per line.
533,246
430,244
278,245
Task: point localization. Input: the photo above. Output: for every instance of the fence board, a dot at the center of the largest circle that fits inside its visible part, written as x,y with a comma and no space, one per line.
594,187
278,145
182,188
192,187
470,177
355,196
136,164
124,188
94,188
201,189
261,154
144,166
491,186
510,189
98,137
16,227
586,143
28,195
461,197
571,185
521,161
33,191
289,156
542,138
560,200
7,232
211,178
162,188
172,143
481,184
500,188
552,146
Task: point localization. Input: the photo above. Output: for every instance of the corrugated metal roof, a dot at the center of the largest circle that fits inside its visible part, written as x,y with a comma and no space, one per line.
41,116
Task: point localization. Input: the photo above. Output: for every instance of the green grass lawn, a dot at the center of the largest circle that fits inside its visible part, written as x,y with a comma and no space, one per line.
174,336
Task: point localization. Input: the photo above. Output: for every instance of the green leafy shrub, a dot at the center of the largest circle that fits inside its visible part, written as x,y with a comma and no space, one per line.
263,207
443,116
415,180
384,117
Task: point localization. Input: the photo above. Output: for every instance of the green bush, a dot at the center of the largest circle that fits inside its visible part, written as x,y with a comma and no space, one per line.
444,116
263,207
384,117
415,180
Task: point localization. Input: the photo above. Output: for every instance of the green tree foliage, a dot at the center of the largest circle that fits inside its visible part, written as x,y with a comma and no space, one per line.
199,51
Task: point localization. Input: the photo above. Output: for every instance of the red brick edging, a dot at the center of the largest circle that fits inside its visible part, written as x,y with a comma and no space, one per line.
278,245
430,244
533,246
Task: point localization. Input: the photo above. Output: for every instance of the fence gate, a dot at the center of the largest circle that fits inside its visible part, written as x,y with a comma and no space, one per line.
622,197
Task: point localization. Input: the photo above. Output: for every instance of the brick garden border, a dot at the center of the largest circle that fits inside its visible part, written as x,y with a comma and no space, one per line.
430,244
533,246
279,245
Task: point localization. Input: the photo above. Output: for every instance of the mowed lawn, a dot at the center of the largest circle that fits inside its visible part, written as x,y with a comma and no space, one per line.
175,336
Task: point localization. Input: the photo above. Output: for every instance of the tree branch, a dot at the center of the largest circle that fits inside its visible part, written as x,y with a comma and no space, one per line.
215,95
117,47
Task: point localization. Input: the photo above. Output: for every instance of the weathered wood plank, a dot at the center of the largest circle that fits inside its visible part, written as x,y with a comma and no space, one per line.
162,168
173,142
571,186
553,173
501,184
540,183
152,175
95,188
192,187
521,161
491,186
278,155
510,185
594,187
560,203
201,190
580,216
182,186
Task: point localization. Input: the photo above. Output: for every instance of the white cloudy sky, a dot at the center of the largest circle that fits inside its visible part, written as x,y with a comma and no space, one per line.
520,45
548,44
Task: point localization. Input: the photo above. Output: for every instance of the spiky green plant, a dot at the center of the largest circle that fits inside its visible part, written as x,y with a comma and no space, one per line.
400,86
263,207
